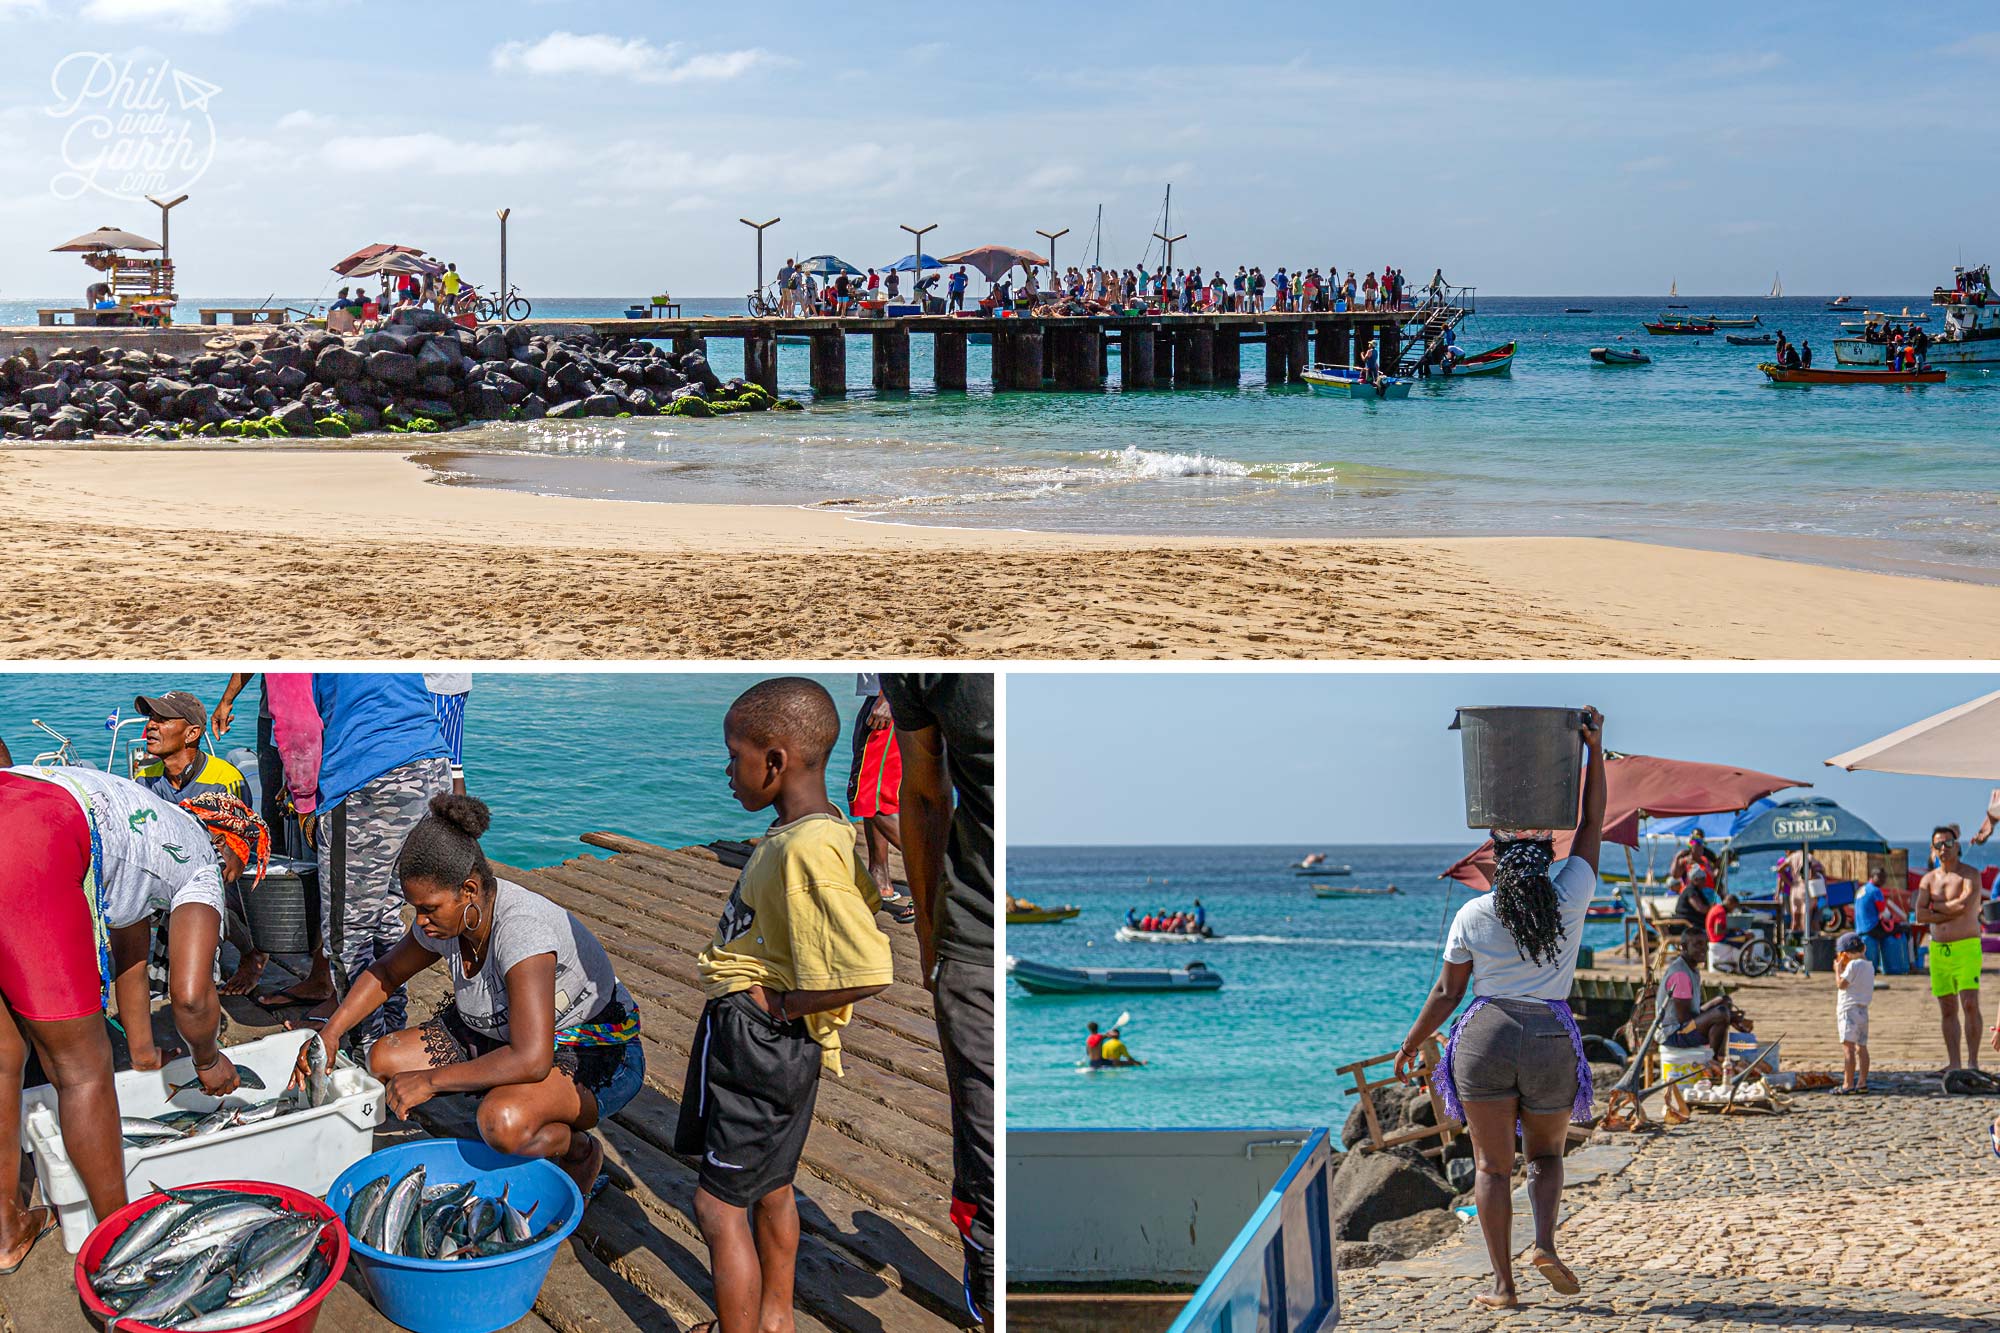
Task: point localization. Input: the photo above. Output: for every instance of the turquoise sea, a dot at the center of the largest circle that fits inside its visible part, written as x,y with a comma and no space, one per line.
1696,448
1309,984
555,755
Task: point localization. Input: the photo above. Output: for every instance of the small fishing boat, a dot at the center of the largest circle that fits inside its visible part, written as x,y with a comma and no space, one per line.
1849,375
1323,871
1047,979
1732,321
1577,310
1840,303
1750,339
1354,891
1492,361
1605,909
1687,330
1021,913
1620,356
1351,382
1133,935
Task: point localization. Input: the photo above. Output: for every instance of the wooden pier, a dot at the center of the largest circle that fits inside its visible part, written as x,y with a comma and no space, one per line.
877,1251
1067,354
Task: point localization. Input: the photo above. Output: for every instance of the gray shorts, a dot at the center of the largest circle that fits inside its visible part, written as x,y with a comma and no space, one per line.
1516,1048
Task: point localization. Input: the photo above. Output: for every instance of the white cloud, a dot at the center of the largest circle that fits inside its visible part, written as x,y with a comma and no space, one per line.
24,8
192,15
1053,176
1986,44
434,153
305,120
601,54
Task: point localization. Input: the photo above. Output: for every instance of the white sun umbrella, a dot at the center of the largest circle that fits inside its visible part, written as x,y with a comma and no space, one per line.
1961,742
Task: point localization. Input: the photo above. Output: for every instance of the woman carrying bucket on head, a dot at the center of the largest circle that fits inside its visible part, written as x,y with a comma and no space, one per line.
538,1027
1515,1057
86,859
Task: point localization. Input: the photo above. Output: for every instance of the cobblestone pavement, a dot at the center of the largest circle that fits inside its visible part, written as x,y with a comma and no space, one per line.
1841,1213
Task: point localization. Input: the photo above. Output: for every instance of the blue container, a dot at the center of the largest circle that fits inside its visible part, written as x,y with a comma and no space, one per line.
462,1295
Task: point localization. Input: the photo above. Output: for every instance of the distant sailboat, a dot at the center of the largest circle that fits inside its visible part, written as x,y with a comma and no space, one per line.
1673,293
1777,288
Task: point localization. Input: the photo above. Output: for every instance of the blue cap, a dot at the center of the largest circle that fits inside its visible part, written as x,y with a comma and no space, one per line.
1848,943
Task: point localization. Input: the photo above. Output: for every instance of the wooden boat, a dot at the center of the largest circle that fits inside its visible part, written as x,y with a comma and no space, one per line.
1348,382
1849,375
1323,871
1132,935
1353,891
1620,356
1492,361
1046,979
1029,915
1689,330
1733,321
1605,909
1751,340
1577,310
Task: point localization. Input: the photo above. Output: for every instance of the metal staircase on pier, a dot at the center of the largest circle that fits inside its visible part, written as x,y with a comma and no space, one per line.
1425,326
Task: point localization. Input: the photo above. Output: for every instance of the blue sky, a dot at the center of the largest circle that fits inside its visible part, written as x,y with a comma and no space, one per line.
1556,149
1365,758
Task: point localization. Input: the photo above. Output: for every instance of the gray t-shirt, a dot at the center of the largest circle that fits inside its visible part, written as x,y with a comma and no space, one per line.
526,924
1498,969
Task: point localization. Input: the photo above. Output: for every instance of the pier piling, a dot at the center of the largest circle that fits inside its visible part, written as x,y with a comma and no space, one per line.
1228,356
948,360
892,359
1165,349
1277,352
829,363
687,340
1201,354
760,360
1023,356
1135,358
1298,353
1331,345
1078,355
1392,347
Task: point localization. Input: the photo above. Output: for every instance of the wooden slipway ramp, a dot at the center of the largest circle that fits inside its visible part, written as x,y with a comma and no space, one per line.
877,1251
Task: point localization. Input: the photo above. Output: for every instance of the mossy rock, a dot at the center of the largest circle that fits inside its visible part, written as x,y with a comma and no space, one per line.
754,391
209,429
753,402
622,416
231,427
332,428
788,405
691,407
424,426
727,407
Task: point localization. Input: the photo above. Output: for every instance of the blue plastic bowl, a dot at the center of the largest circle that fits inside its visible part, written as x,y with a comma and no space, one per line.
462,1295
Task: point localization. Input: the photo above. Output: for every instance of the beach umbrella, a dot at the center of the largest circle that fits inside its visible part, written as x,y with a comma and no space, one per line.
1961,742
828,266
993,261
1805,823
105,238
911,263
1715,828
395,261
1636,785
367,252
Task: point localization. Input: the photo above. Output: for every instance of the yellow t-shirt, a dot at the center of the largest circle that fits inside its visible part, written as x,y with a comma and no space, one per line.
1112,1049
802,917
450,282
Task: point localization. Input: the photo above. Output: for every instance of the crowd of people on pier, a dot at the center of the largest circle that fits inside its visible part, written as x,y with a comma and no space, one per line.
1094,290
361,786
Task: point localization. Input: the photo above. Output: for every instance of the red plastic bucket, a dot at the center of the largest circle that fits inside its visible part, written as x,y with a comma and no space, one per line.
299,1319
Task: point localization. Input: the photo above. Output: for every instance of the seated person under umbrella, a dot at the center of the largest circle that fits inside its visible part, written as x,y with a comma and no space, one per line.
1686,1023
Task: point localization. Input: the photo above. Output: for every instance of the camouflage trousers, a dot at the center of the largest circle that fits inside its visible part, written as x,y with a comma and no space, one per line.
360,900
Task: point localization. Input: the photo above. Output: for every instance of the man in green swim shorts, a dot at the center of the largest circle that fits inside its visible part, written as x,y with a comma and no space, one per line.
1948,902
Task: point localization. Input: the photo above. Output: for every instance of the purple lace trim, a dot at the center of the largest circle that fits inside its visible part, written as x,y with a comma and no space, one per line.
1446,1085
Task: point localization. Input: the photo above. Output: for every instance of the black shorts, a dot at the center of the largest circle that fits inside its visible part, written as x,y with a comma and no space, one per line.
747,1104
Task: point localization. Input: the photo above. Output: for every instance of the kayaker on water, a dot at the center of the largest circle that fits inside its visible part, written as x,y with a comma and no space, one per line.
1092,1046
1111,1053
1515,1056
538,1026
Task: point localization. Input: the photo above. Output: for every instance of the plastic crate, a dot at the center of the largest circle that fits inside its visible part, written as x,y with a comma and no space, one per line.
306,1150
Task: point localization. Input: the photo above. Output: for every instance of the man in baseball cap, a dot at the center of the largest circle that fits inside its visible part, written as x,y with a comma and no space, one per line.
179,770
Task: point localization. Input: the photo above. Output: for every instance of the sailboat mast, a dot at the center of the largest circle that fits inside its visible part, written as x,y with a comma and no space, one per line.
1098,260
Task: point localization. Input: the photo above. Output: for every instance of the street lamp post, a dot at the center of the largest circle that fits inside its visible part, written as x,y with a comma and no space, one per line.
1050,237
917,234
1170,240
502,301
758,227
166,206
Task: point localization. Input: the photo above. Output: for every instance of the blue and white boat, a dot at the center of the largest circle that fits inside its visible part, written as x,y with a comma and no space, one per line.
1047,979
1353,382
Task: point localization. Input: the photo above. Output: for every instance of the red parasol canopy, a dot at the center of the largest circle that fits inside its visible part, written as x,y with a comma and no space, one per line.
347,265
1640,784
993,261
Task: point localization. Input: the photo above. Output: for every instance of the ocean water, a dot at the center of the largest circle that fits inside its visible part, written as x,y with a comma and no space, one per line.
555,755
1309,984
1696,448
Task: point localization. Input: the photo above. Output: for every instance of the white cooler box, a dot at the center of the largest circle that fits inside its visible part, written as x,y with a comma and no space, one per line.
305,1149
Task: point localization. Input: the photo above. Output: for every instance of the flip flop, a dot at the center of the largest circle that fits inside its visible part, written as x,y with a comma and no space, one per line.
597,1185
287,999
1557,1272
53,1224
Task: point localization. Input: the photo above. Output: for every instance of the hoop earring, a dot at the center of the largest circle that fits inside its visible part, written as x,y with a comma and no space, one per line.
469,925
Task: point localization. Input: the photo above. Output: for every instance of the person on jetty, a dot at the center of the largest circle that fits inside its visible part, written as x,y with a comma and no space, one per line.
955,290
178,769
1948,903
86,860
796,949
1506,1062
538,1025
1854,982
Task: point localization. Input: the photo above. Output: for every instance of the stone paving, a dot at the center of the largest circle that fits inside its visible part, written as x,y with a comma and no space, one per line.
1840,1213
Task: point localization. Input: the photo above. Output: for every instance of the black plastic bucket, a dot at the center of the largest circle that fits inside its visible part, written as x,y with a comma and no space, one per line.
1523,766
277,907
1819,953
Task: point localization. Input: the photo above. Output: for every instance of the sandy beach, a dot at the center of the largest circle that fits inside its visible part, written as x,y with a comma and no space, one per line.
339,554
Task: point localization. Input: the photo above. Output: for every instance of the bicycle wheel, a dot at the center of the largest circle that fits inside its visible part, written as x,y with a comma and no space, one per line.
518,308
1756,958
485,312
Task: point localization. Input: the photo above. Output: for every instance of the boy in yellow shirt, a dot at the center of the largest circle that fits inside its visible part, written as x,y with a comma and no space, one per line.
796,948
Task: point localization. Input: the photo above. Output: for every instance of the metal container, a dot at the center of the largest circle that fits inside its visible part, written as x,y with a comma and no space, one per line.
1523,766
277,907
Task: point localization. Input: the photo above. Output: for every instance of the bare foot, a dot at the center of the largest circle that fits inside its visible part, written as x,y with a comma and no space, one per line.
244,979
1494,1300
584,1168
303,993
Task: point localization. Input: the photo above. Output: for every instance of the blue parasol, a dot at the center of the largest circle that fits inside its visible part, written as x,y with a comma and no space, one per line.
1813,821
828,266
910,263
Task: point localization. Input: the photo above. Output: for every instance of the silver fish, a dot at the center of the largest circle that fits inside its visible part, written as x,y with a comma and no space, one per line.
164,1299
140,1127
242,1314
274,1263
150,1226
366,1206
403,1200
245,1075
319,1072
221,1118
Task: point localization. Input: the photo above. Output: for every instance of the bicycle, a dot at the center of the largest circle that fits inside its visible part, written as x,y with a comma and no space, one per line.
762,303
513,307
